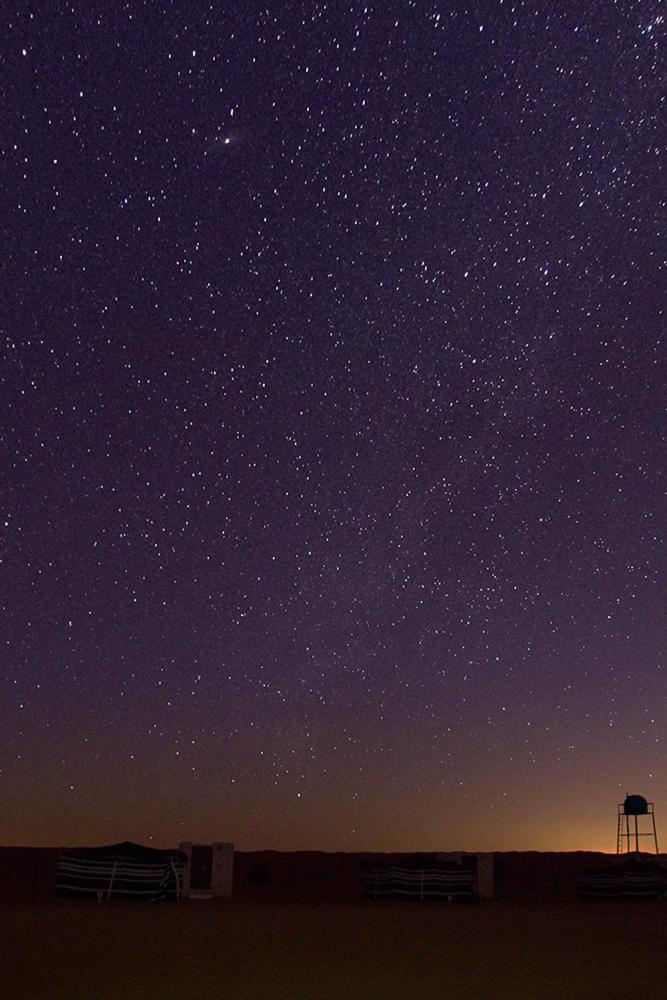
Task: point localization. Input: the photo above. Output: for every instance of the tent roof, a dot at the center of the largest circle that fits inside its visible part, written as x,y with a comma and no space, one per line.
126,849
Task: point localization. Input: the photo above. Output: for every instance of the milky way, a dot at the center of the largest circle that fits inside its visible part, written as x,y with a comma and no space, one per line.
333,431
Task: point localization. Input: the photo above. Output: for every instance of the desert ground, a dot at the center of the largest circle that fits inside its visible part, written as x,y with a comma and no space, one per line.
240,950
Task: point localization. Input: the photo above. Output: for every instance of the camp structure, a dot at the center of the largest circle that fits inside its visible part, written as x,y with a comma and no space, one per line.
632,878
421,878
120,871
209,870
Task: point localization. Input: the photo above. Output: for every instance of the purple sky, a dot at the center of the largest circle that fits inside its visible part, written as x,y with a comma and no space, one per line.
333,431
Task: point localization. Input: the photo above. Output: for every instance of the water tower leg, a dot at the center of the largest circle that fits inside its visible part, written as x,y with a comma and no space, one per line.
627,830
655,835
636,835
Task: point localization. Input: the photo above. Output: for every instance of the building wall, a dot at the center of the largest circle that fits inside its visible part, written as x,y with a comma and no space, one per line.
222,868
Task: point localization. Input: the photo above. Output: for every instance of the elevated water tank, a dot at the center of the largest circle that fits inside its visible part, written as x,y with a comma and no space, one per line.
635,805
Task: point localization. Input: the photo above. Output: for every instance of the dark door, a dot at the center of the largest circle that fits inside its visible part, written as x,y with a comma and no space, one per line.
200,867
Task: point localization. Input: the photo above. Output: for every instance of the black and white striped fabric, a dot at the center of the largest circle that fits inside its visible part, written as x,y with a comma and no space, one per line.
120,871
631,879
427,880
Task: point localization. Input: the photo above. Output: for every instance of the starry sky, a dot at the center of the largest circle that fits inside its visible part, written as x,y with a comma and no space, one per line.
333,427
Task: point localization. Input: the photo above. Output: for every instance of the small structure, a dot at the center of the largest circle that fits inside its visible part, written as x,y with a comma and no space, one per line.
209,870
627,826
120,871
420,877
633,877
484,881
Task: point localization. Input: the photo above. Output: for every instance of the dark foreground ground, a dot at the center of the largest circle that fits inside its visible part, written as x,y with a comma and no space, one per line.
238,951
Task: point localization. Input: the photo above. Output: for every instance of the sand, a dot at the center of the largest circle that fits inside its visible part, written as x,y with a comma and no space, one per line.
241,950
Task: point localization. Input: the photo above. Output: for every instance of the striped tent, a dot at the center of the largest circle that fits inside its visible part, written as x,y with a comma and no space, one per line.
419,879
120,871
631,878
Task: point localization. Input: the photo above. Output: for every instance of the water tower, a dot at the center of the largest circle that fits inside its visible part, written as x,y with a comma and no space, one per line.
628,823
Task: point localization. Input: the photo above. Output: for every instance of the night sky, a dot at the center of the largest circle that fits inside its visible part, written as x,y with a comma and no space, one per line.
333,430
